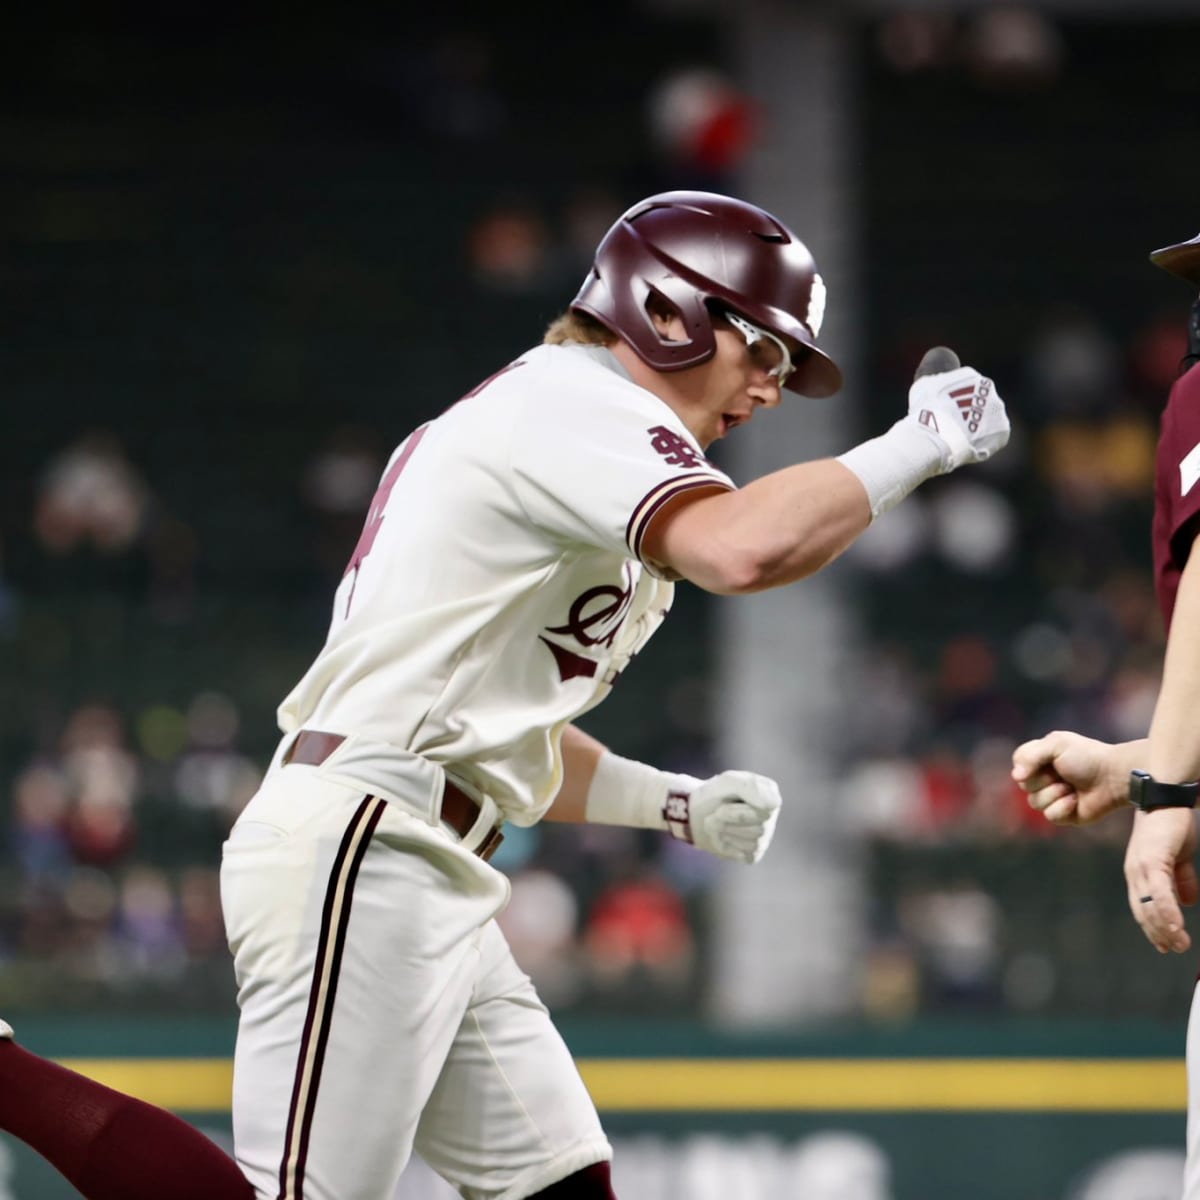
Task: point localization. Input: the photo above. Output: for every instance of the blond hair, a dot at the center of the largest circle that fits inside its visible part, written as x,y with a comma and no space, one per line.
578,327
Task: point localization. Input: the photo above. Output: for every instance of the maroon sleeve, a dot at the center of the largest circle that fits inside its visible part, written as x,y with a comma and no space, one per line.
1176,488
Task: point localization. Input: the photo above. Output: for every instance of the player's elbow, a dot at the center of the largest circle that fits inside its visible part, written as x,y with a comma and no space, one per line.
743,570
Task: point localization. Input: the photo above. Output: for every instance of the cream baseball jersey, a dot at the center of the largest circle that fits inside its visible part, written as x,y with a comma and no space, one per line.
1176,489
497,589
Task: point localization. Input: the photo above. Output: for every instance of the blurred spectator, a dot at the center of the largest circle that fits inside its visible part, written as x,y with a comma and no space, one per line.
39,835
891,981
90,950
149,938
1013,46
102,782
90,494
540,925
637,933
1156,351
211,775
891,712
338,483
509,248
1097,464
947,790
201,925
974,527
913,40
998,807
894,540
342,476
703,124
1072,366
588,213
688,871
971,699
957,930
1130,699
885,798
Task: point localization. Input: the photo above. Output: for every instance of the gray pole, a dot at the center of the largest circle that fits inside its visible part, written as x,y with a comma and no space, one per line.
790,931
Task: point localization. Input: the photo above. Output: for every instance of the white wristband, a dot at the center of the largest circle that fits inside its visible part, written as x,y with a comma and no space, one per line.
629,793
892,465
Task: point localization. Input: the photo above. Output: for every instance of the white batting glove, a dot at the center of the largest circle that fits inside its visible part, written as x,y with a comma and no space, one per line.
964,410
954,418
732,815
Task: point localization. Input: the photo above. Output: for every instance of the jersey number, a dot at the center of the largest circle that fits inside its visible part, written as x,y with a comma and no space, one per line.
375,514
379,502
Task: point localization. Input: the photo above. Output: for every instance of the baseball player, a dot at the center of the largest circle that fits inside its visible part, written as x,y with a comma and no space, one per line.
1073,780
520,550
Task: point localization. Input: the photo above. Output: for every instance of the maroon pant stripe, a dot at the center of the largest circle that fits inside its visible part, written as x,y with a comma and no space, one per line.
335,919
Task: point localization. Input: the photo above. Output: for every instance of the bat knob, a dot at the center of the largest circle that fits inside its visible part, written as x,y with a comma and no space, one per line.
936,360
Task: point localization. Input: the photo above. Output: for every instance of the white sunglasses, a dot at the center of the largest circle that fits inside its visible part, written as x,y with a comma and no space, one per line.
753,334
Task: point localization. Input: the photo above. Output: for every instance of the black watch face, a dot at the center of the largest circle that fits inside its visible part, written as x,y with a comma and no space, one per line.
1137,788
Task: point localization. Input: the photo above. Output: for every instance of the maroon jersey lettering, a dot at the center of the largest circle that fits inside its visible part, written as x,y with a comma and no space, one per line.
673,448
1177,489
594,619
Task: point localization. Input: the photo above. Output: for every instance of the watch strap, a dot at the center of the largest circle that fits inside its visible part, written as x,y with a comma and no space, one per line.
1148,794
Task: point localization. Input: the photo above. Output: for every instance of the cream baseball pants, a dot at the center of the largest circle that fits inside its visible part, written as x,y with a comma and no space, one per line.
381,1008
1191,1174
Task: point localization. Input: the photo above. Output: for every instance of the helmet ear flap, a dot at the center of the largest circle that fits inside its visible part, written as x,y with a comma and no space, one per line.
676,297
690,248
622,300
681,299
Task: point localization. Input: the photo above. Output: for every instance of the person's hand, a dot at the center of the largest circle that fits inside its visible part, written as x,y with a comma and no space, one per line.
732,815
1070,779
1161,876
964,410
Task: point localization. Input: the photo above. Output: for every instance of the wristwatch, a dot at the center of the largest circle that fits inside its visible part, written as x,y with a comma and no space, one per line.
1146,793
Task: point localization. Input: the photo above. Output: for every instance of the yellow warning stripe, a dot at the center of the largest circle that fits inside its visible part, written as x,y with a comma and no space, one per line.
888,1085
681,1085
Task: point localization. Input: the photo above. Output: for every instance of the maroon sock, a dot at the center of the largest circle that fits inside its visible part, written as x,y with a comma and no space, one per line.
110,1146
592,1183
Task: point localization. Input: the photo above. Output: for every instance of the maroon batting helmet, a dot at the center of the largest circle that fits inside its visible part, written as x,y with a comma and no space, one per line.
699,252
1182,259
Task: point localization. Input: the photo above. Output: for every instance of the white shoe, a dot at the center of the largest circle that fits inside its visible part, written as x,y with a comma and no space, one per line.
5,1030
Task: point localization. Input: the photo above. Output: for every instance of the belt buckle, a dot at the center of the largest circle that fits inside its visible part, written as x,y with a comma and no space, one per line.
490,844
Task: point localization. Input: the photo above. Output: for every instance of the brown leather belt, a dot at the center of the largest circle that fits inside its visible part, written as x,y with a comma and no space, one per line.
311,747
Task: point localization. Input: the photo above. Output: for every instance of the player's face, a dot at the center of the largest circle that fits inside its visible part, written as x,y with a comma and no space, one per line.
744,375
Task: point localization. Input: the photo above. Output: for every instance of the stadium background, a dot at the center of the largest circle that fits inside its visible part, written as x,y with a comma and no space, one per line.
244,255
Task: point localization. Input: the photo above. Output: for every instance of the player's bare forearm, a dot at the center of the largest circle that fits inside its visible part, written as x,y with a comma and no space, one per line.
580,753
1160,873
1173,755
773,531
1126,756
1122,757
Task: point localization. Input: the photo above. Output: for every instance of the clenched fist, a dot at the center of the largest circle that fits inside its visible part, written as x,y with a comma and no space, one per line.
1071,779
732,815
964,410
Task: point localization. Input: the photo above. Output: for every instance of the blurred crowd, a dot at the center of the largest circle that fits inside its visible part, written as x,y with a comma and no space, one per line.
999,608
164,580
994,609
